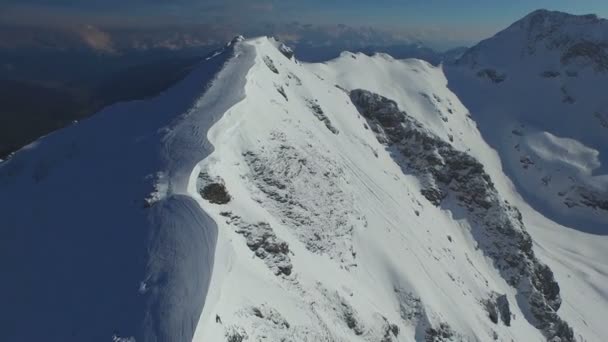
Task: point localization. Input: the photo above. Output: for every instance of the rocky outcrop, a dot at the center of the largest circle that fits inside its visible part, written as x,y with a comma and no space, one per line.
281,91
262,240
235,334
344,310
502,303
286,51
442,333
213,191
582,196
498,307
270,64
589,52
495,224
492,75
270,316
318,112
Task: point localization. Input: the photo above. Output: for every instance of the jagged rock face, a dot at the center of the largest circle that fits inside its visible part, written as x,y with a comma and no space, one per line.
262,240
497,226
497,307
286,51
320,114
270,64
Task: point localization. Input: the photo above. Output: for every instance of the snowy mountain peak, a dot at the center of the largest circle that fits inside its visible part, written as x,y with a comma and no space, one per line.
547,36
266,199
542,20
235,40
541,79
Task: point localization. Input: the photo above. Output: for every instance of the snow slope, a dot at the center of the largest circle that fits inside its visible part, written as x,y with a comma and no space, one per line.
546,111
263,199
101,239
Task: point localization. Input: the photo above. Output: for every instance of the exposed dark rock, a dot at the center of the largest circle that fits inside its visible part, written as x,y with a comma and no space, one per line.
496,225
270,315
215,193
594,199
526,161
281,91
236,334
292,76
503,308
262,240
410,306
594,53
270,64
351,320
257,312
497,307
286,51
490,307
394,329
442,333
320,114
343,310
391,331
492,75
236,39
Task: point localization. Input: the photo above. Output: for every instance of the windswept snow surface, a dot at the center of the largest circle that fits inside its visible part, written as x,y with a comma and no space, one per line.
101,239
270,195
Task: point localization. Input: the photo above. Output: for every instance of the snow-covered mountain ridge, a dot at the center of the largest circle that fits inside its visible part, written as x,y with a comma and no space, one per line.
548,37
536,90
353,200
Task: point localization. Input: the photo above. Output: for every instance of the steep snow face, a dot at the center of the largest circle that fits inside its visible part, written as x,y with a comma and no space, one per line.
101,240
536,90
345,219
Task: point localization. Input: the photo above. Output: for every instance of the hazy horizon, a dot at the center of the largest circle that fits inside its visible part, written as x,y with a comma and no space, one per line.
439,24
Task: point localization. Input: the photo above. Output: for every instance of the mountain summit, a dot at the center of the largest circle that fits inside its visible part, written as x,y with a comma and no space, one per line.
536,90
361,199
547,37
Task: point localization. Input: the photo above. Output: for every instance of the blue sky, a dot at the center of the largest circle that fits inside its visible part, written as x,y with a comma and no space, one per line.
457,20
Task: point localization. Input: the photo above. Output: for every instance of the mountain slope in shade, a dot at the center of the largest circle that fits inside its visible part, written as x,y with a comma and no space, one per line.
89,257
536,90
266,199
